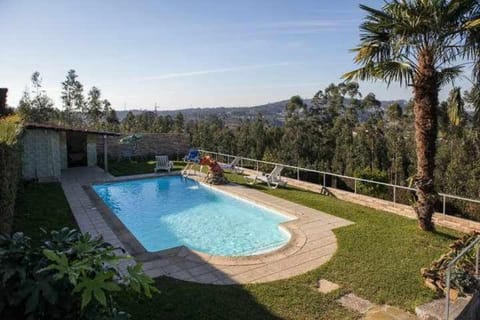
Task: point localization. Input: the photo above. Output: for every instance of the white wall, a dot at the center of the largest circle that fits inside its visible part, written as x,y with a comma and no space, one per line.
41,154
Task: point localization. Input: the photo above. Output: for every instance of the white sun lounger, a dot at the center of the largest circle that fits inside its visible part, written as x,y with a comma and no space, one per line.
273,179
162,163
232,165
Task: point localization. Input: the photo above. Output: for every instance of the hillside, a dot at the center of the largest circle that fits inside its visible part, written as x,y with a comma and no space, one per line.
273,112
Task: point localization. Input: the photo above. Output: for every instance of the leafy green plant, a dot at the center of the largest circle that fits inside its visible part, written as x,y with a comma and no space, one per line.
11,129
70,276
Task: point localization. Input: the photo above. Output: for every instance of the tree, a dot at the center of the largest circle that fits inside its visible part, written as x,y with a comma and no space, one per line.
417,43
94,106
179,123
40,107
129,122
111,118
72,95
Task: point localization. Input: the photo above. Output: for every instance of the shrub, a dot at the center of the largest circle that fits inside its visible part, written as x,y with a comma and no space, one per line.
372,189
70,276
10,168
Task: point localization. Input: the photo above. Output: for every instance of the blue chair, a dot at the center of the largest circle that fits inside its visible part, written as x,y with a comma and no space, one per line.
192,156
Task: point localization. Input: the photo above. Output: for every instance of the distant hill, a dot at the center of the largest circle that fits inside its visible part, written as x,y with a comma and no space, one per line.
273,112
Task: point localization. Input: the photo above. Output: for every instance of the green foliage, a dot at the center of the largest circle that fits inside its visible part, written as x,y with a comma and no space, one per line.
371,189
11,129
69,276
35,105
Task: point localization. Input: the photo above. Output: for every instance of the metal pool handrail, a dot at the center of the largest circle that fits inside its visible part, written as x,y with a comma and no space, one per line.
452,263
355,179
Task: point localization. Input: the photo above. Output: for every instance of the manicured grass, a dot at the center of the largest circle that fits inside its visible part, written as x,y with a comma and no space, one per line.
42,205
379,258
130,167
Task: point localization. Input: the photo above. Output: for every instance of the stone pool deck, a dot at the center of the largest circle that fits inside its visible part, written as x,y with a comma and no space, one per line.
312,243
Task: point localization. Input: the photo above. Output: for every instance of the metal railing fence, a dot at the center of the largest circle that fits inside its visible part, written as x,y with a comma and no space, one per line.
227,158
474,244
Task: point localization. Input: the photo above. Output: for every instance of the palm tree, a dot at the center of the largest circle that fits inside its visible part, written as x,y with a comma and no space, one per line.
424,44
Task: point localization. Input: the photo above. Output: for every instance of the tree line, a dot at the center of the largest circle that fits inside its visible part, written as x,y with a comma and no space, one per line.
340,131
345,132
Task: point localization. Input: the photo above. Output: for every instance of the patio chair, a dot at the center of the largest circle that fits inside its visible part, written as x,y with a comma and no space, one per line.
162,163
232,165
192,156
272,179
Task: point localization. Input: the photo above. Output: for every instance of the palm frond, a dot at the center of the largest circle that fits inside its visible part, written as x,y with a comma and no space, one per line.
388,71
455,109
449,74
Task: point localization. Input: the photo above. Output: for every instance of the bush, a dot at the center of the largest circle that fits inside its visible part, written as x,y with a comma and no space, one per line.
70,276
10,168
372,189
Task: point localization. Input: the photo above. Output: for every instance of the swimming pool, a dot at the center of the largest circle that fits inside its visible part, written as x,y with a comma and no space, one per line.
168,212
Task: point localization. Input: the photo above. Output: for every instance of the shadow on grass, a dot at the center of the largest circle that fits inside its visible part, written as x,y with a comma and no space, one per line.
187,300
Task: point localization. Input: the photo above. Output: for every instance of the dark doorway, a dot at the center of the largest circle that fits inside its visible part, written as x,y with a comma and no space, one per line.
77,149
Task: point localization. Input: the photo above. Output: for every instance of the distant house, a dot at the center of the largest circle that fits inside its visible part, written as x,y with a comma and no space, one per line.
49,149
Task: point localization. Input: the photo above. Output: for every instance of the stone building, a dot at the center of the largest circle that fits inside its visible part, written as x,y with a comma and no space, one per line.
49,149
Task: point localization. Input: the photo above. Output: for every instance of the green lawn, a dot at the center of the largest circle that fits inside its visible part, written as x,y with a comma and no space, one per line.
41,206
130,167
379,258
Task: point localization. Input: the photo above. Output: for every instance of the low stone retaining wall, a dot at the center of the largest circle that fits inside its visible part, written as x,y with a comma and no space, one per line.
452,222
175,145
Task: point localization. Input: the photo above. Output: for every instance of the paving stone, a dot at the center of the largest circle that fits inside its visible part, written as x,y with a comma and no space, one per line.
352,302
325,286
436,309
386,312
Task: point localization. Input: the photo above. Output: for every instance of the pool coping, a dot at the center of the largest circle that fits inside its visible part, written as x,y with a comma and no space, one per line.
141,254
314,226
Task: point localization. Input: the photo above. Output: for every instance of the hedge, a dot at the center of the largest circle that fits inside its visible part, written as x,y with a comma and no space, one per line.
10,168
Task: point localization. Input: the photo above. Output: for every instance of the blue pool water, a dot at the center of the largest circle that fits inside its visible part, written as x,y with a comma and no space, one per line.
172,211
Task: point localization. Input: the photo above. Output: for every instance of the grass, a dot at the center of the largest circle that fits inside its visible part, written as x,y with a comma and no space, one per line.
42,206
379,258
131,167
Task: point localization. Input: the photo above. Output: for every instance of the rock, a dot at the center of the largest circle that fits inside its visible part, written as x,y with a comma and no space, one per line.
325,286
352,302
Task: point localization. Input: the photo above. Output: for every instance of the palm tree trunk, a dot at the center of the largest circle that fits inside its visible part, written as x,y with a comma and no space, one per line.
425,108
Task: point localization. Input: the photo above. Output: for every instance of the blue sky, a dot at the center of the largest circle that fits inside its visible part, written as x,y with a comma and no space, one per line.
182,53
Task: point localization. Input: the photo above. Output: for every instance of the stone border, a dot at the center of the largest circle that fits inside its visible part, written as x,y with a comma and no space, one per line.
137,250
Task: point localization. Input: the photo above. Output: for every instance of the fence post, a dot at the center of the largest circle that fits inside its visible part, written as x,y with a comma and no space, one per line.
324,184
298,174
355,185
444,204
257,167
447,302
394,194
477,260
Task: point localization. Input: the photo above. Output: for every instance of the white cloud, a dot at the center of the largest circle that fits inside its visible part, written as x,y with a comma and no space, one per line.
211,71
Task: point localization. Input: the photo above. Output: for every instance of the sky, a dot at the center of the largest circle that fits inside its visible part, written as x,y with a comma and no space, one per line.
183,53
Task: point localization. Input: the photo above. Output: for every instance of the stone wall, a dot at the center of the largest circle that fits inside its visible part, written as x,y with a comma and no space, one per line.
172,144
